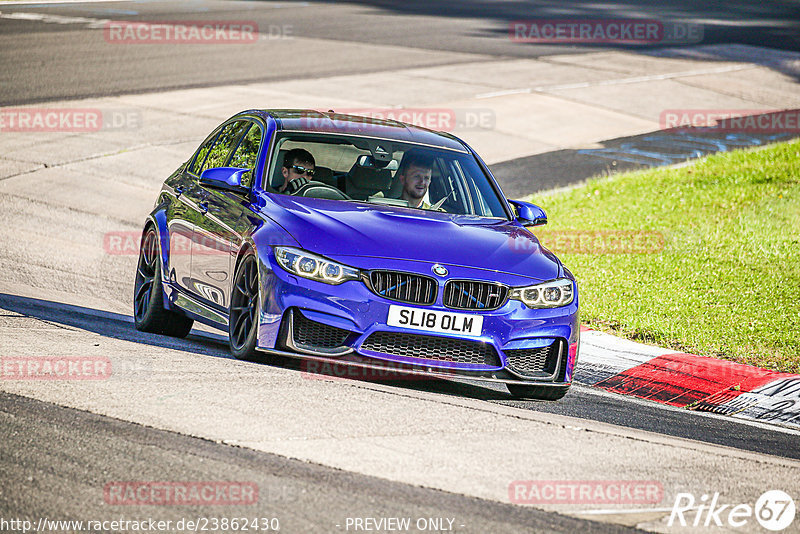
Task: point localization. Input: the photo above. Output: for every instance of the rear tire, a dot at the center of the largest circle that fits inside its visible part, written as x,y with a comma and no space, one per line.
243,313
149,313
537,392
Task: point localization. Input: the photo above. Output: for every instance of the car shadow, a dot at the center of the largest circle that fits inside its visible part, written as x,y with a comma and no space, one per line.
119,326
109,324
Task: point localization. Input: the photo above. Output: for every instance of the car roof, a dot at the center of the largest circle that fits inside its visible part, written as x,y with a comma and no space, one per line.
309,120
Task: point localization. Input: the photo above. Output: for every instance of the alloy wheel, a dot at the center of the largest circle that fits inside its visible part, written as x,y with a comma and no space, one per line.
145,274
244,303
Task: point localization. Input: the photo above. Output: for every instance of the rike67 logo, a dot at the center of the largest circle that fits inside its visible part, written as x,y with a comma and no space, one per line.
774,511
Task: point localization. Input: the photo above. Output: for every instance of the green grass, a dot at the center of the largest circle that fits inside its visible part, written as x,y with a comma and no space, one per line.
727,281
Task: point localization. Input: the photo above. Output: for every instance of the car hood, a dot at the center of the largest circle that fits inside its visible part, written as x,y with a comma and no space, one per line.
340,229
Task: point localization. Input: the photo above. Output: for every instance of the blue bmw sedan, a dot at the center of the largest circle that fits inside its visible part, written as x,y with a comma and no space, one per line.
365,242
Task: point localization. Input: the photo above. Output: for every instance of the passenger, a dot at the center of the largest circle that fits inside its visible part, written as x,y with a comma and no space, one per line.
298,169
414,173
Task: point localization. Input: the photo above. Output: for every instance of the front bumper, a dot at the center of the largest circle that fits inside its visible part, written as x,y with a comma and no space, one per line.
347,324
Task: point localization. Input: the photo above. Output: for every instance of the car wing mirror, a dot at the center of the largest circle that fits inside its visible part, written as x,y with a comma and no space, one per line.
226,178
528,214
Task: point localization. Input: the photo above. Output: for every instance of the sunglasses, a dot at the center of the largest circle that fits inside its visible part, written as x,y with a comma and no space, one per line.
299,169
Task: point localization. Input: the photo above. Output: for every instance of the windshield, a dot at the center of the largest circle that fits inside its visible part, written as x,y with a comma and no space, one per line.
379,171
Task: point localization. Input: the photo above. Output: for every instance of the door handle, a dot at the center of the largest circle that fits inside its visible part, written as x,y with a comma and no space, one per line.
203,207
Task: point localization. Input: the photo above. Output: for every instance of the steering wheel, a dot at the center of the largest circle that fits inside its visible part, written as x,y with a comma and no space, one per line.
315,189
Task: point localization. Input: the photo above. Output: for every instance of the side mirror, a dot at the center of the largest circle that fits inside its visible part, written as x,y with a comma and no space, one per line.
227,178
529,214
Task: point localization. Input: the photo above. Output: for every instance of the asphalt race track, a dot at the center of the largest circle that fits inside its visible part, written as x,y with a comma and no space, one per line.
303,497
582,402
33,72
324,450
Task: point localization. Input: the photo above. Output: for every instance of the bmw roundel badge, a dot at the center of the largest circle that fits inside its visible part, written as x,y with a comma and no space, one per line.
439,270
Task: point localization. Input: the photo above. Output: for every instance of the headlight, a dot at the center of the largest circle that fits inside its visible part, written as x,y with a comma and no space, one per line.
546,295
314,267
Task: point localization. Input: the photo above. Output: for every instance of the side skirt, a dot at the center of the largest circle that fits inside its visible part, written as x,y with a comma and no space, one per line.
195,309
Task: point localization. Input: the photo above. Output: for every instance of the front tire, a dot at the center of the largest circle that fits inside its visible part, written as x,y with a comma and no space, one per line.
537,392
243,314
149,313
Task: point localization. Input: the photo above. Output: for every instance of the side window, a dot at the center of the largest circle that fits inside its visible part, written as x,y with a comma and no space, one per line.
460,201
225,142
247,153
201,155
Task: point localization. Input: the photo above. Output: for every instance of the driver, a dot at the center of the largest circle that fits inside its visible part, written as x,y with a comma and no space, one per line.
298,169
414,173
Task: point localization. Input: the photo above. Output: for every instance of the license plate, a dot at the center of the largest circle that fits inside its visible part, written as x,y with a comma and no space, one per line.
435,321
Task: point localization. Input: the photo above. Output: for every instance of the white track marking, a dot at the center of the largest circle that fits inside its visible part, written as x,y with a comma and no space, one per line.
55,19
619,81
772,427
57,2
